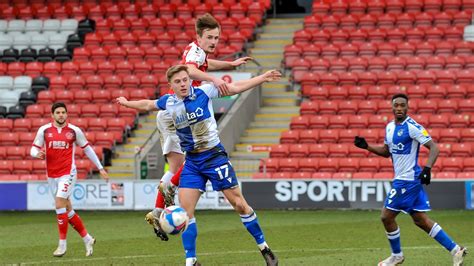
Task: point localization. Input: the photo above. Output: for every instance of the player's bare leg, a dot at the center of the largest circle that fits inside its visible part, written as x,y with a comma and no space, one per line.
393,234
76,222
434,230
174,161
250,221
168,188
188,198
62,220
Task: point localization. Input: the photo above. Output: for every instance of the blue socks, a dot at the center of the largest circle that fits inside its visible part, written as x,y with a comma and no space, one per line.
394,239
189,239
439,235
250,222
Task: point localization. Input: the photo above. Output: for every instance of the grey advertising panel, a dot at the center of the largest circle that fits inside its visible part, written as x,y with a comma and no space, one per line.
328,194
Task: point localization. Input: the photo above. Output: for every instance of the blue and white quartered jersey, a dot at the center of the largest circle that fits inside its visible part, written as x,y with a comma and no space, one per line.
404,142
193,117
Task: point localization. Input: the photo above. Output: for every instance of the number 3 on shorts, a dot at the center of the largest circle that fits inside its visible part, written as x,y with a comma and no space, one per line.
224,167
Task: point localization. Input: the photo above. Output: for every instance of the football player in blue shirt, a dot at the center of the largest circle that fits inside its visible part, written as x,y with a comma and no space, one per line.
403,137
192,113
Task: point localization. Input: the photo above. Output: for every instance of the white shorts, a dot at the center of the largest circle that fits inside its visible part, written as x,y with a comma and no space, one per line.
168,138
63,186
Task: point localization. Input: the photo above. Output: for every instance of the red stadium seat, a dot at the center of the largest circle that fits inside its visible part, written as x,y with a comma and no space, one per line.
97,124
6,167
338,150
465,175
288,165
116,124
39,167
450,135
308,164
269,165
461,150
261,175
106,139
299,122
468,164
26,139
279,151
109,110
298,150
308,108
82,96
328,165
308,136
22,166
452,164
6,125
347,136
371,164
9,139
318,150
17,153
290,136
383,175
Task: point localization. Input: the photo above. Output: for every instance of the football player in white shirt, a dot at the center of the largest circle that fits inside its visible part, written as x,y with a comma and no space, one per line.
403,137
195,56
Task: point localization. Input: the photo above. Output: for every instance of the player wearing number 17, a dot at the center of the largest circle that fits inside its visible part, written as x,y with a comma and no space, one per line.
403,137
191,110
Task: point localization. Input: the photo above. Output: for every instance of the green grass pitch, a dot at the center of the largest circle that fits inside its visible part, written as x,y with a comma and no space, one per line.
297,237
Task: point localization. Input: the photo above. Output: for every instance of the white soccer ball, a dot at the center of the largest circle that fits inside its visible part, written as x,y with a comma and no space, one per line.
174,220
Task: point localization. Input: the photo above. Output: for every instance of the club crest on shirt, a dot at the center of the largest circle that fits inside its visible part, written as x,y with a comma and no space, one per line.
400,132
69,135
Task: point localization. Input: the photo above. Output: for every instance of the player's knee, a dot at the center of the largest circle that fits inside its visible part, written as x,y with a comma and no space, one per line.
386,219
240,206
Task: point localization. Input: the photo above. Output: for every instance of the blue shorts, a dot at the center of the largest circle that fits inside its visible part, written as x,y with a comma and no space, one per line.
407,197
213,165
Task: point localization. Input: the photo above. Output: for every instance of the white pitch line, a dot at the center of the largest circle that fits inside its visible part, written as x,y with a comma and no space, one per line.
217,253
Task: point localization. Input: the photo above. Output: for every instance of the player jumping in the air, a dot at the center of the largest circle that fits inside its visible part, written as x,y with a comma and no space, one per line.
403,137
56,142
195,57
191,110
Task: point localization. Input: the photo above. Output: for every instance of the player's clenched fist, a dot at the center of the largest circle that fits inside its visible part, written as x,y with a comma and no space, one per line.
361,142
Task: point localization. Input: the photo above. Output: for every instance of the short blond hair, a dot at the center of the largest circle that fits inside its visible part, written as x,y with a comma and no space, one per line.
175,70
206,21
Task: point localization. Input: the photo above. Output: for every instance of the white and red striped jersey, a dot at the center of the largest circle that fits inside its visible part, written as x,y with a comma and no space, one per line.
195,55
60,146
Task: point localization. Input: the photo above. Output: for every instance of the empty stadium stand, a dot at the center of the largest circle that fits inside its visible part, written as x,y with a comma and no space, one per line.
86,53
349,59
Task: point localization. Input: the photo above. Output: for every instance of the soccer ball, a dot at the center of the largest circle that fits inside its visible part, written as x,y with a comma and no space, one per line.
174,220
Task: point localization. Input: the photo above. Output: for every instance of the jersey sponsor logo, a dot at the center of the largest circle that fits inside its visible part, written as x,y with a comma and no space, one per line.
58,144
398,146
50,135
190,117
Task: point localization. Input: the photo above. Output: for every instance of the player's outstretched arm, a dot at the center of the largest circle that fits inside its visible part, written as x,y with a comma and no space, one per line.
244,85
225,65
196,74
383,151
142,105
